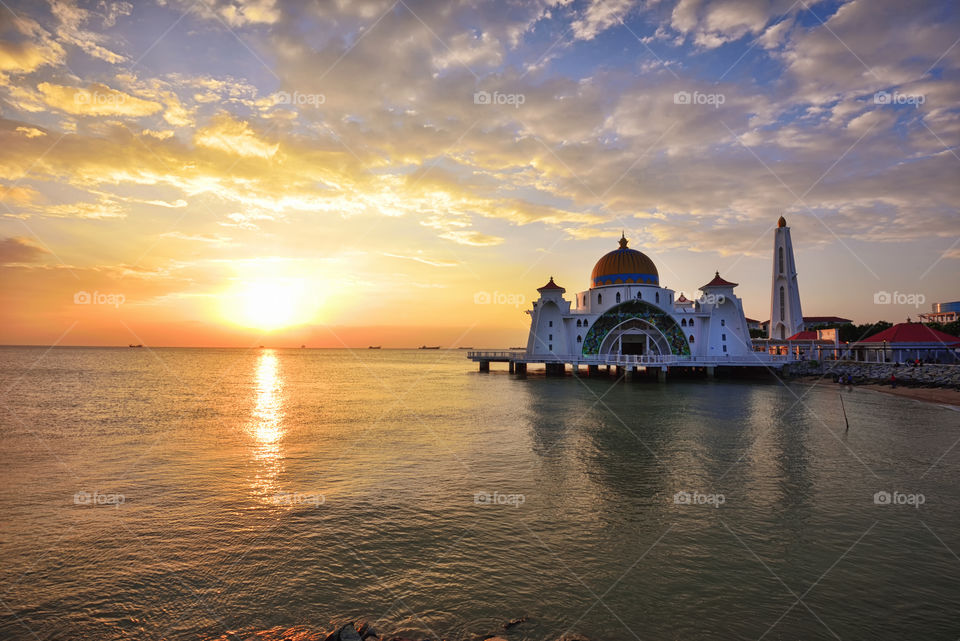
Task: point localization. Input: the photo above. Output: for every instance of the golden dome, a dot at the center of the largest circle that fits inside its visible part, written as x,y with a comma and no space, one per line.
624,266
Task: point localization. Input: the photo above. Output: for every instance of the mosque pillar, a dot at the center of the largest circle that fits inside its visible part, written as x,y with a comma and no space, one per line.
711,371
593,370
484,366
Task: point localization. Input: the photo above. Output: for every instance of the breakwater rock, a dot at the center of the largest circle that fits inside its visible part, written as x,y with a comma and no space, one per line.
928,375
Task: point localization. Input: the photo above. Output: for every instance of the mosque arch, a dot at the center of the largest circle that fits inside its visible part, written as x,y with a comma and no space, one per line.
663,330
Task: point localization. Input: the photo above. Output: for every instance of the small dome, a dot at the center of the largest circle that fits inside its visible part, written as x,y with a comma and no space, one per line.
624,266
782,222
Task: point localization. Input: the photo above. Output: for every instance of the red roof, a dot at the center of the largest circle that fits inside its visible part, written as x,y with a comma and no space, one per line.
912,333
719,282
550,285
682,299
809,335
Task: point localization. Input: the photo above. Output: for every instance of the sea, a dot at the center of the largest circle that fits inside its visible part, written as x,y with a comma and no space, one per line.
271,494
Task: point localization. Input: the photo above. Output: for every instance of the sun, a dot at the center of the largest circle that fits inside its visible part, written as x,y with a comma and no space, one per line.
269,304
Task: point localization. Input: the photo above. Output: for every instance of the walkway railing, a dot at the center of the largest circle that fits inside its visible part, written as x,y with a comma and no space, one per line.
631,359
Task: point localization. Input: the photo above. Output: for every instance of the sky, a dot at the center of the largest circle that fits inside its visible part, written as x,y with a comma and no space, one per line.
398,172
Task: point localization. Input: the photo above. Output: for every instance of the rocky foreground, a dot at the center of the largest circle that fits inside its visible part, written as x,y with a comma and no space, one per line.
928,375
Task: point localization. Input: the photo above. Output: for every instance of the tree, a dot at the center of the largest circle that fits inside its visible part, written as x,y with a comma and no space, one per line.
853,333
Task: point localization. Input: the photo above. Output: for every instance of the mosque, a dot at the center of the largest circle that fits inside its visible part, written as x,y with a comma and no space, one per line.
627,312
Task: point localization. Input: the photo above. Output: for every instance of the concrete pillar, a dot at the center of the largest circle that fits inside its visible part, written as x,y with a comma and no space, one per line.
662,375
619,371
484,366
608,369
511,366
711,371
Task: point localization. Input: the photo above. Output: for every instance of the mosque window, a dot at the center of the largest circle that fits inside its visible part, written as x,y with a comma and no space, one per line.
640,295
782,305
599,299
551,323
724,348
550,347
618,297
658,297
579,340
691,338
550,337
722,322
578,323
683,323
691,322
723,337
584,323
780,252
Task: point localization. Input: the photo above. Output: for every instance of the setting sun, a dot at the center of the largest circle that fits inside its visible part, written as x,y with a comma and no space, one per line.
269,304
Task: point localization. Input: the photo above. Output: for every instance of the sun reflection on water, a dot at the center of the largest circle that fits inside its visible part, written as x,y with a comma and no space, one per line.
267,425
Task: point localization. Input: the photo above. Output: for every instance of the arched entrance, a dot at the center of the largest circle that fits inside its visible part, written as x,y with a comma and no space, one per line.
635,337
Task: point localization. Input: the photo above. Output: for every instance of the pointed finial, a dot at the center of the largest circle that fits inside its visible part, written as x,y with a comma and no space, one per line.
623,240
782,222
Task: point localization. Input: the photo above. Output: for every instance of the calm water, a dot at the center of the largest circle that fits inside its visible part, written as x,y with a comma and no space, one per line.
231,494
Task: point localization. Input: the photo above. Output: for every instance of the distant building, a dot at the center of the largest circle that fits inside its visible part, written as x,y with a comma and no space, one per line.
906,342
813,322
753,323
942,313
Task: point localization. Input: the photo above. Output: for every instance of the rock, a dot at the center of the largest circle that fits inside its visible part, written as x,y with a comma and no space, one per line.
364,629
495,638
513,623
349,633
573,636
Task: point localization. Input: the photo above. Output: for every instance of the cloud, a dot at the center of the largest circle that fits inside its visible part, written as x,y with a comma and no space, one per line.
233,136
420,258
19,250
96,100
70,30
25,46
600,15
471,237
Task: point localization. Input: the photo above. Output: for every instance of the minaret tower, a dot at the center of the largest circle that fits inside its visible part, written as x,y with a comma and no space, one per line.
786,318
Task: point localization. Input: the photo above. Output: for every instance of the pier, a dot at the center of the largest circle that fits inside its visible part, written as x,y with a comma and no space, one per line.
630,365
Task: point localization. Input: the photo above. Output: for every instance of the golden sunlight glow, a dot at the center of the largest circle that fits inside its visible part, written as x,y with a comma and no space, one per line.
269,304
266,427
268,413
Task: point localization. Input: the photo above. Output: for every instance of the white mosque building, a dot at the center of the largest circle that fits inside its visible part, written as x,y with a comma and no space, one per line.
626,312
